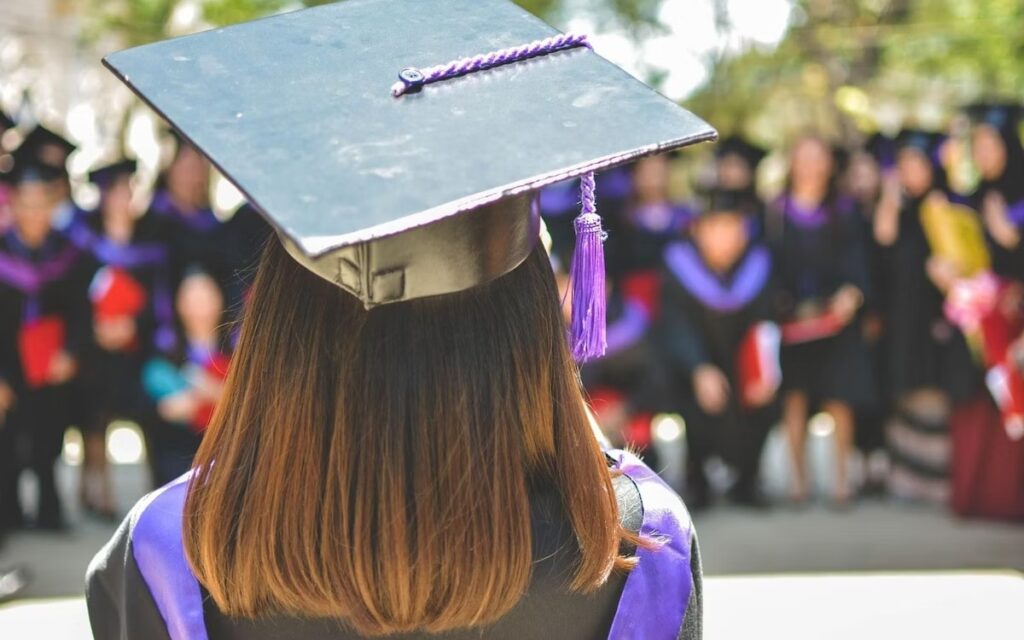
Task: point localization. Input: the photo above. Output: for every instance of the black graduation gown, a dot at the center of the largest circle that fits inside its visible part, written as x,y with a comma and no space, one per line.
41,413
705,318
111,380
122,606
194,240
1006,262
816,253
924,349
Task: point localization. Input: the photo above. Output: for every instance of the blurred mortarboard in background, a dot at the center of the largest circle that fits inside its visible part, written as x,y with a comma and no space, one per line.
717,200
364,187
737,145
104,176
5,120
28,167
928,143
882,148
49,147
1004,116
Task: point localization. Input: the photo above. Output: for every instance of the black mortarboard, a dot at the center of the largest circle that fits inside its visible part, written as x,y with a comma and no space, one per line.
1004,116
5,121
927,142
716,200
41,137
737,145
362,186
106,175
882,148
28,167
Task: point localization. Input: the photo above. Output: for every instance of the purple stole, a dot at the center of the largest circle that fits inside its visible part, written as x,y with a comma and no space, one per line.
748,280
628,328
652,605
29,276
200,221
132,256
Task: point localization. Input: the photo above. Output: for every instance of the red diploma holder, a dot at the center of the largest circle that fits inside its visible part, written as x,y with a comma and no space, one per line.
815,326
115,293
39,342
758,360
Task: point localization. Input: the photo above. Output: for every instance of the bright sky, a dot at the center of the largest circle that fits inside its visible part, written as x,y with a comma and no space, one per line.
693,40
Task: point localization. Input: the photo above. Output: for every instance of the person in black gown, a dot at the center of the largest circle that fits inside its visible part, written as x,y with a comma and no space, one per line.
181,204
717,290
132,316
928,362
819,246
998,155
43,304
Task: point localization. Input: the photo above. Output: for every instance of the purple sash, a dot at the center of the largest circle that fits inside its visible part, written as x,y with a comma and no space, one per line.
749,280
653,602
811,217
160,556
652,605
201,220
30,277
1015,212
628,329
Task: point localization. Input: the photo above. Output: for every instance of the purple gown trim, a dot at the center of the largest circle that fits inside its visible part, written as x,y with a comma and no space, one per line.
749,279
29,276
654,599
628,329
202,220
560,198
1015,212
676,217
160,556
810,218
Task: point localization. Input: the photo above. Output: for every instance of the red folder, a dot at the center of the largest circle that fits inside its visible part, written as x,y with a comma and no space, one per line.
818,326
758,360
39,342
115,293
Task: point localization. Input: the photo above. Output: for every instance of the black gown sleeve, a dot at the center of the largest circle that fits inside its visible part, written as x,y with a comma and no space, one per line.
120,604
680,334
693,624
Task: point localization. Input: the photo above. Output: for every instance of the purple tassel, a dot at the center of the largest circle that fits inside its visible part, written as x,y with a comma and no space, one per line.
587,333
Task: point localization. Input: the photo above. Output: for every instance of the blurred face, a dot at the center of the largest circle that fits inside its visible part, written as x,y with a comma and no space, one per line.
188,177
811,164
734,172
915,172
650,178
117,202
32,204
721,239
200,305
988,151
863,178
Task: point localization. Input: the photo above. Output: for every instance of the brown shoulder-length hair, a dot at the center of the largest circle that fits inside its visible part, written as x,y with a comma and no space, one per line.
376,466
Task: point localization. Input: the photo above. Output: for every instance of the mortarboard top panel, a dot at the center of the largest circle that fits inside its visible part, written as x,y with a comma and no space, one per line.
296,110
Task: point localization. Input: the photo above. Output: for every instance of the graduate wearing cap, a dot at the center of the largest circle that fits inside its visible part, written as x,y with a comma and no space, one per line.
720,339
193,234
402,447
928,365
54,150
819,247
41,309
131,317
736,162
998,155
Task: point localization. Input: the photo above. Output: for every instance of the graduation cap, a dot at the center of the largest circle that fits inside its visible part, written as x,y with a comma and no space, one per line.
28,167
737,145
883,149
104,176
1004,117
420,187
926,142
717,200
49,148
5,121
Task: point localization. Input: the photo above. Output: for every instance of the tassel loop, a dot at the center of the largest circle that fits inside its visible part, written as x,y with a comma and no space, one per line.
588,329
